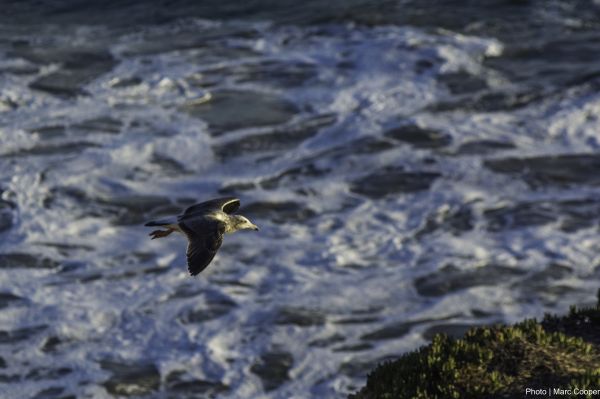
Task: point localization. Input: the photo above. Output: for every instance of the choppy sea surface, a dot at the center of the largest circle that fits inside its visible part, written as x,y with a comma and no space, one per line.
414,167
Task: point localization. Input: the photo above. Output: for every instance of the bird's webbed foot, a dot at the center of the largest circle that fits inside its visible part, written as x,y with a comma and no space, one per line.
160,233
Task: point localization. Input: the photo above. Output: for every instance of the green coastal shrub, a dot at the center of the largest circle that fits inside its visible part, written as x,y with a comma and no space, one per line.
497,362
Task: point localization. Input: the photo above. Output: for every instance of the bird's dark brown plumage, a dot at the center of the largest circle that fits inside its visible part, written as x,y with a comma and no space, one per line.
204,225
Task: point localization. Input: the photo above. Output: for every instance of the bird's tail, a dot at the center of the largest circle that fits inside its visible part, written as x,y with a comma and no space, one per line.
153,223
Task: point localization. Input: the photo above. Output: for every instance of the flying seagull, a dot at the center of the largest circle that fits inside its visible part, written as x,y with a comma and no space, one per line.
204,225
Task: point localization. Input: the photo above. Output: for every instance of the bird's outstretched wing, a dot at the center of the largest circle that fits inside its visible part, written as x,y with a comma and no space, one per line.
226,204
205,236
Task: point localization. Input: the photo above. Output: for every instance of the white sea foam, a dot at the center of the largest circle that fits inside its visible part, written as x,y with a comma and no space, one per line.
127,297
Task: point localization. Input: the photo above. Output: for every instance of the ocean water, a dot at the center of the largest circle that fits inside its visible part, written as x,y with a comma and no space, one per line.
414,167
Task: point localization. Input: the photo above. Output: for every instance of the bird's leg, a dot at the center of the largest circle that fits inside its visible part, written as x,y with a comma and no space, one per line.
160,233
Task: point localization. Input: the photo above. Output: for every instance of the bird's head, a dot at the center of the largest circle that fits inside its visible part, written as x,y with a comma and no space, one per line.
242,223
